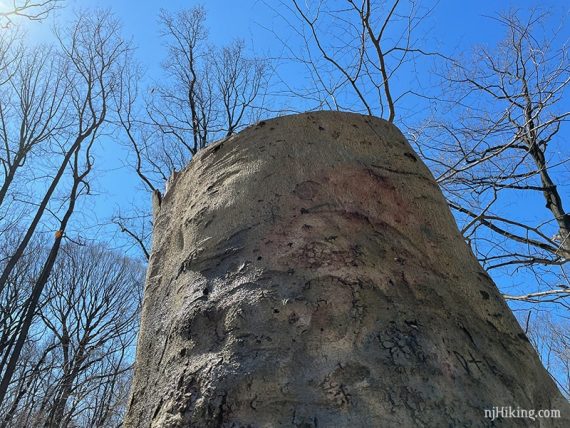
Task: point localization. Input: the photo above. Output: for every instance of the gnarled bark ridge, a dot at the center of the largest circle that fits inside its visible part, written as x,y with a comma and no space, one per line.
307,272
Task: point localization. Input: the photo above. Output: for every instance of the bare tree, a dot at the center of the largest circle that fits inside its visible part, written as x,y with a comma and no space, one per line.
353,51
549,335
32,110
93,50
208,93
34,10
240,81
87,325
93,300
10,52
502,143
27,392
176,110
14,297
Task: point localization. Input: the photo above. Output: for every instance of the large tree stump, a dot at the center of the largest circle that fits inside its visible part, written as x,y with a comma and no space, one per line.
307,272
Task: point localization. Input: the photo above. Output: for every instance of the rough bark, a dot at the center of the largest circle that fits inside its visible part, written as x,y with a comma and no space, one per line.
307,272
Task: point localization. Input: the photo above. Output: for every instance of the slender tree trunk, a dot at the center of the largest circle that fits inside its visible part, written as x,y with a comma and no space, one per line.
37,290
25,389
316,278
9,178
22,334
39,213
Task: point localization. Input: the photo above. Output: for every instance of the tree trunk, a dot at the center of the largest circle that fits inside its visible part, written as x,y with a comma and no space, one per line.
307,272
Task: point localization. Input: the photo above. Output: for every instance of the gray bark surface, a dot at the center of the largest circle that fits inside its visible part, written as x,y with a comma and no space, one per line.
307,272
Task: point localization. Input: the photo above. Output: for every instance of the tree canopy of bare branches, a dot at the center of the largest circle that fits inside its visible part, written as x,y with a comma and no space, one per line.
34,10
58,105
207,93
354,51
80,346
501,144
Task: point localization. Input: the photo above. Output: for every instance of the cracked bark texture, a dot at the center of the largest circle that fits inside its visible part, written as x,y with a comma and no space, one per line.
307,272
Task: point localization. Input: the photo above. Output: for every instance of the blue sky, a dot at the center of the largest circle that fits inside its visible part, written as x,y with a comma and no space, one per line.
453,27
452,24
